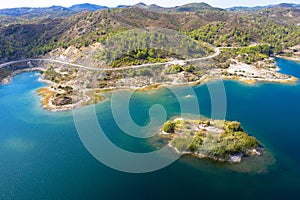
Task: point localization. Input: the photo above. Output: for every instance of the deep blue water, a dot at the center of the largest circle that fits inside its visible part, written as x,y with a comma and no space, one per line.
42,157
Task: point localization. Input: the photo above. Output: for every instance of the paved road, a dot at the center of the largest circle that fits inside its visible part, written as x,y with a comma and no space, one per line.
217,52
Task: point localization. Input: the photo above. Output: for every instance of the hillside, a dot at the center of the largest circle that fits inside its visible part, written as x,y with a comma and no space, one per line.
34,38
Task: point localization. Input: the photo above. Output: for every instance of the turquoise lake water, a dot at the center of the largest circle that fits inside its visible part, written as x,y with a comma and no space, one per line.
42,157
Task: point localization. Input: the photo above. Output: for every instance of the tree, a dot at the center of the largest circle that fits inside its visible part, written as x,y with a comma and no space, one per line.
233,126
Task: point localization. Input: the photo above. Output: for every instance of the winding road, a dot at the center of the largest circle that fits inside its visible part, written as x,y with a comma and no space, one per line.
217,52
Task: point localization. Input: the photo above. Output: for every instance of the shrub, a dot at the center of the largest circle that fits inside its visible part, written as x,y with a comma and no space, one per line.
233,126
189,68
205,122
169,127
196,143
177,68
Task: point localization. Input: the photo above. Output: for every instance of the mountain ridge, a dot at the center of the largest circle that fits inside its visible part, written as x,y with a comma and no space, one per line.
256,8
52,11
60,11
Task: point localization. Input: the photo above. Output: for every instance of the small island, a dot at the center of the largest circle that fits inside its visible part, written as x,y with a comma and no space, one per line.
219,140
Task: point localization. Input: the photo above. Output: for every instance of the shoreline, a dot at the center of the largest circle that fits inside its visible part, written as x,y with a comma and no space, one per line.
7,80
239,72
205,79
250,74
293,58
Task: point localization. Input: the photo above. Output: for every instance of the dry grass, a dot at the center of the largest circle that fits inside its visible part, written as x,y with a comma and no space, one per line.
46,93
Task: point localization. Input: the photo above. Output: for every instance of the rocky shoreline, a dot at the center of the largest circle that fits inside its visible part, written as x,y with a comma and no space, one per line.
250,74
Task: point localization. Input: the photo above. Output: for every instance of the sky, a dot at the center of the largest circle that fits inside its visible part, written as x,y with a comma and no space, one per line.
114,3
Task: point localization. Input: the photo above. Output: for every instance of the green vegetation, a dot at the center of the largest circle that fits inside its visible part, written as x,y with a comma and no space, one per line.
196,143
4,73
232,127
52,75
33,37
248,55
148,46
141,56
204,122
216,139
233,141
243,30
169,127
29,40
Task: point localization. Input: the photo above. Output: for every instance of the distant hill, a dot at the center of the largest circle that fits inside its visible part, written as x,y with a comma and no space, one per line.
122,6
87,7
192,7
242,8
282,5
49,12
53,11
289,5
59,11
